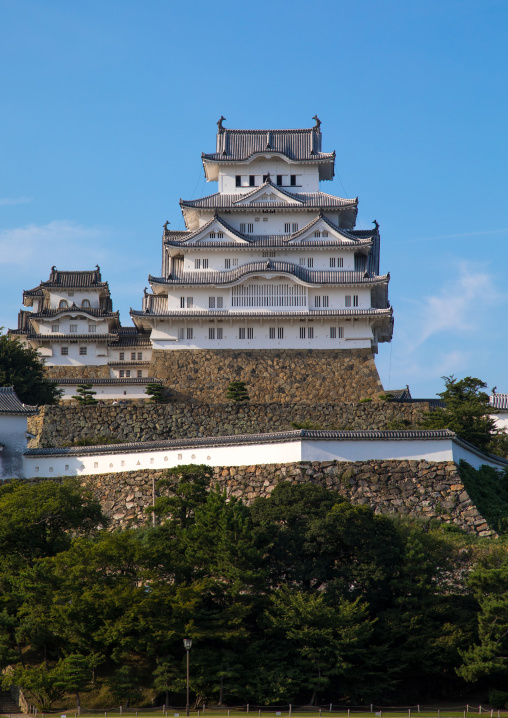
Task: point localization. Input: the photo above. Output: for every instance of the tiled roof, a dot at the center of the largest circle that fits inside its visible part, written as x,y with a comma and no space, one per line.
107,380
272,438
91,311
10,403
159,309
130,339
70,280
274,240
348,235
307,200
95,336
499,401
298,145
313,276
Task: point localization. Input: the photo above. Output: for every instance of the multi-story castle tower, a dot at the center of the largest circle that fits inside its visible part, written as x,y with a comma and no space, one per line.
269,268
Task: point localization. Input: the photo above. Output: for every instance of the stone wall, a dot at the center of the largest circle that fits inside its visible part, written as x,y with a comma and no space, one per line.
139,421
272,375
420,488
78,372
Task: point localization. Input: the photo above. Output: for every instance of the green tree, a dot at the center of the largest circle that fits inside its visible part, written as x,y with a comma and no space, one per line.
124,684
187,488
466,412
23,368
85,395
237,391
168,678
489,657
74,675
157,393
40,683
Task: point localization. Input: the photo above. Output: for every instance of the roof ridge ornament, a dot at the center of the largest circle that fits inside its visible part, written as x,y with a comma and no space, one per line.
376,224
318,123
219,123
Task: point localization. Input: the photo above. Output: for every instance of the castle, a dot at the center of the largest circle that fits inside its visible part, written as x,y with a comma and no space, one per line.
268,268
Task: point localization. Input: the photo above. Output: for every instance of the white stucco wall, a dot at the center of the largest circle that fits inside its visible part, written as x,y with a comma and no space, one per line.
501,420
88,462
107,391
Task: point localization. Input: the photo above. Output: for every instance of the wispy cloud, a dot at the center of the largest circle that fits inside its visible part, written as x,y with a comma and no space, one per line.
4,201
448,332
462,235
60,241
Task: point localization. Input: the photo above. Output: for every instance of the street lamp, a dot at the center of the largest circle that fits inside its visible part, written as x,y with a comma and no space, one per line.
187,642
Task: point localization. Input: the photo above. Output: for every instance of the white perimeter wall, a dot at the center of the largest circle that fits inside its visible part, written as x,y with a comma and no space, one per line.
257,453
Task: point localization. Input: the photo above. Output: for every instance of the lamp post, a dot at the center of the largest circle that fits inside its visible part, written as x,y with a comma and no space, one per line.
187,642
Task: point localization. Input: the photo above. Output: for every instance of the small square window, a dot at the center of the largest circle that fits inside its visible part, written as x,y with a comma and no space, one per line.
133,356
140,373
317,234
83,351
190,333
211,302
220,302
73,328
122,373
220,235
92,328
348,300
122,356
127,373
140,356
64,351
55,327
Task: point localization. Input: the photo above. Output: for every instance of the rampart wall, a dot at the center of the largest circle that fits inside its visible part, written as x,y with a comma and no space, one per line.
423,489
274,375
140,421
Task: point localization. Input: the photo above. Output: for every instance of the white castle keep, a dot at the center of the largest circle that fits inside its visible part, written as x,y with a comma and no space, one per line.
269,261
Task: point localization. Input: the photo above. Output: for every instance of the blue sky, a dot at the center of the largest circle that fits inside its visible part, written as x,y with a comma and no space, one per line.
106,106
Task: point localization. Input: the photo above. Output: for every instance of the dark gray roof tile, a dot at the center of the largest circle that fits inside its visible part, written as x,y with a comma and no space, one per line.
11,404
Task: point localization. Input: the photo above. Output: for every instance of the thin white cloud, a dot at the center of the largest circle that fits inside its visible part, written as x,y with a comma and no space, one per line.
58,242
479,233
5,201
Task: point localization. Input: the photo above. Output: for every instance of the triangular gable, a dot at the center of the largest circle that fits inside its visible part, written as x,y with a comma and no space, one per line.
321,224
210,233
268,192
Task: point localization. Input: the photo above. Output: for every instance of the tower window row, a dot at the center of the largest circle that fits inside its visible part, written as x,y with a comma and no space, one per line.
257,180
247,333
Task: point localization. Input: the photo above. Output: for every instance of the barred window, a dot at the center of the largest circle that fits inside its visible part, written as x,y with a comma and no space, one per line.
340,332
355,300
140,373
182,302
310,262
140,356
190,333
326,301
250,333
181,333
294,226
73,328
128,373
333,332
317,234
325,233
332,261
317,301
92,328
197,264
227,264
310,332
271,332
347,302
220,235
211,332
287,227
250,227
64,351
190,302
280,333
220,332
242,226
241,333
302,332
205,263
83,351
340,261
133,356
55,327
122,356
211,302
220,302
121,373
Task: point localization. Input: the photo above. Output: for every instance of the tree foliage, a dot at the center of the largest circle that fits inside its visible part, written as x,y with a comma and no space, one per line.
300,597
237,391
23,368
85,395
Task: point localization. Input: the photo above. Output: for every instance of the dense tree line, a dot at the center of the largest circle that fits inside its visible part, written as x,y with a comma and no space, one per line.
300,597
